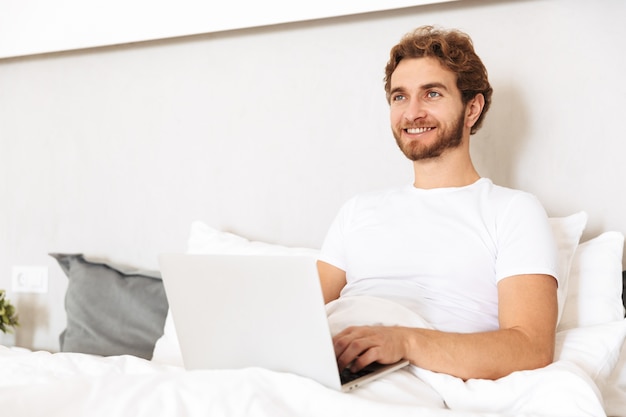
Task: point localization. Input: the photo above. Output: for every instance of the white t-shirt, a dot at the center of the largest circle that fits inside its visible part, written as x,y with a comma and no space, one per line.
441,252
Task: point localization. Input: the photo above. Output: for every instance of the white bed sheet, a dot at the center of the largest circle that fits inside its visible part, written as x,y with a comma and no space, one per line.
67,384
587,379
614,391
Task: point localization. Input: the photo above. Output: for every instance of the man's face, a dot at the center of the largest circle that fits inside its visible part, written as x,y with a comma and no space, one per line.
426,110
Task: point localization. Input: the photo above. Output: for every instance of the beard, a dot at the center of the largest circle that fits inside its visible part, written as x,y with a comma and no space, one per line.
446,139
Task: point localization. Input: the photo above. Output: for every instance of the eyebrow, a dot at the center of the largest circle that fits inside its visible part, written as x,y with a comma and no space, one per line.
434,85
427,86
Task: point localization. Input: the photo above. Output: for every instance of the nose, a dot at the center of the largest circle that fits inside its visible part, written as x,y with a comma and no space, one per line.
414,110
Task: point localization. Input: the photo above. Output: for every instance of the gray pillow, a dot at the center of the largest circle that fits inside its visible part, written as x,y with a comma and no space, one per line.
111,310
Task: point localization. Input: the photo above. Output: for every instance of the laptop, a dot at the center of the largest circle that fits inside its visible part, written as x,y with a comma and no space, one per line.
238,311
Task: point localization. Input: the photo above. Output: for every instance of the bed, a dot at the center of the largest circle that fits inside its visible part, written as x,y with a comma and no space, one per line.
120,356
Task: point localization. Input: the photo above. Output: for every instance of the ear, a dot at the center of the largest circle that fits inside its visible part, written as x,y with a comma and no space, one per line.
473,109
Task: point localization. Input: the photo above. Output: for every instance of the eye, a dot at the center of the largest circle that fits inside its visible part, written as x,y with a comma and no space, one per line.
397,97
433,94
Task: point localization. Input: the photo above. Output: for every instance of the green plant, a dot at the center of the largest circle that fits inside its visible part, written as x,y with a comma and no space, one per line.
8,315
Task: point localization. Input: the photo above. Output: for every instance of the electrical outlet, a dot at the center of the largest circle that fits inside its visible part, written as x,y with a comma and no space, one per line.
33,279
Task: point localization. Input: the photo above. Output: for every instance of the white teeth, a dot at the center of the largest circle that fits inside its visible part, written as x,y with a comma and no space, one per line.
419,130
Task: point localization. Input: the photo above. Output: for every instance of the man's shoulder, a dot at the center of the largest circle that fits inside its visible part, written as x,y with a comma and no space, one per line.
515,205
508,194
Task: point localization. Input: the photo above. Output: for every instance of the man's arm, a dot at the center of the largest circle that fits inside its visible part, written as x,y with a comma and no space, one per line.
332,279
527,315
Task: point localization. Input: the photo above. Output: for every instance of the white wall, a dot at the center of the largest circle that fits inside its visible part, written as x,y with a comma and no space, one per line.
114,151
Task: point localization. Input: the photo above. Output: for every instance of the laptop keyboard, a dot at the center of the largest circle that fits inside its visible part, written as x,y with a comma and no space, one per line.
348,376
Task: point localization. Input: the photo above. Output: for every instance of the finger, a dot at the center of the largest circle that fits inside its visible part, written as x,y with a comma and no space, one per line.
354,348
348,356
342,340
367,357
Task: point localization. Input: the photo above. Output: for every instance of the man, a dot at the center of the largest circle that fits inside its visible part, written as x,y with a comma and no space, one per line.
475,260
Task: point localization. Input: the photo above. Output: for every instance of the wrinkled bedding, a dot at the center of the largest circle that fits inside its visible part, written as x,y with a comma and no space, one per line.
588,378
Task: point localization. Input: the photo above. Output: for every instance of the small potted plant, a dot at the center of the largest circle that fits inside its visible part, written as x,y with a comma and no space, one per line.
8,315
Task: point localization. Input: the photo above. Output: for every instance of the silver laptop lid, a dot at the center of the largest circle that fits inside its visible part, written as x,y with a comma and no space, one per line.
237,311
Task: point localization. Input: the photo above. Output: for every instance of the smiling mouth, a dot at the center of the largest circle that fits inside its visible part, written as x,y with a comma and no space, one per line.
416,130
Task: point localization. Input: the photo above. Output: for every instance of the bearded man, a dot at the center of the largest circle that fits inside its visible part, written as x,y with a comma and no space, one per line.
476,261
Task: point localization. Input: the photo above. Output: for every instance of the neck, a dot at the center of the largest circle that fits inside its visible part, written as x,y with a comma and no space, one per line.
454,168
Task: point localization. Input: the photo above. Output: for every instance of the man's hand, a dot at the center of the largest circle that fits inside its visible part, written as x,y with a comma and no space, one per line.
360,346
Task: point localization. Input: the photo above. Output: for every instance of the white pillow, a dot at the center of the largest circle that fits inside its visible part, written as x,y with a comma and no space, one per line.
205,239
567,232
595,283
594,349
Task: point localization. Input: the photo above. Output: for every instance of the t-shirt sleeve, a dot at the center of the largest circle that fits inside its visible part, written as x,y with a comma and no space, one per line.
526,243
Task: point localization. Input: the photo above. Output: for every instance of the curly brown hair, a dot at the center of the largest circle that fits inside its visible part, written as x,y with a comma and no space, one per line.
455,51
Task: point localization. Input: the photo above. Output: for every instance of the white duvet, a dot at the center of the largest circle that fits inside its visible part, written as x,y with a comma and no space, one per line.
588,378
